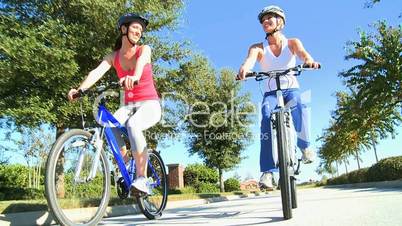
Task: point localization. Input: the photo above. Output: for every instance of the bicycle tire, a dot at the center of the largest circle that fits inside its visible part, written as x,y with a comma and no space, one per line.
293,192
50,181
144,201
283,166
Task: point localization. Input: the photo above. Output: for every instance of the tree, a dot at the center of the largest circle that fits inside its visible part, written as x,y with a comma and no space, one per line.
370,110
50,46
218,116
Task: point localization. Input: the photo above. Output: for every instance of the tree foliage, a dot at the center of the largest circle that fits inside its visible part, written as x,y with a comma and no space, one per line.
371,109
49,47
218,116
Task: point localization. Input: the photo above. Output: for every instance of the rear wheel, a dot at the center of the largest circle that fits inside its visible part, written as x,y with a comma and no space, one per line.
152,205
283,166
70,194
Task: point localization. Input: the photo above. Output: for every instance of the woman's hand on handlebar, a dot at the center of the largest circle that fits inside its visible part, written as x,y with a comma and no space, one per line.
312,64
71,94
242,74
128,82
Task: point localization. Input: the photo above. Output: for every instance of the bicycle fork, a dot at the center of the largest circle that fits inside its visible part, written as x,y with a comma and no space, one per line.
289,133
98,144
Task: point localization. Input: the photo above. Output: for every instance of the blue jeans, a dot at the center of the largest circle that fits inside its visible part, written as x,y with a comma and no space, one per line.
300,117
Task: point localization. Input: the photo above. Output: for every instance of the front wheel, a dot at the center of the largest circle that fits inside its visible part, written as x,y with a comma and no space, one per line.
152,205
293,192
74,197
284,178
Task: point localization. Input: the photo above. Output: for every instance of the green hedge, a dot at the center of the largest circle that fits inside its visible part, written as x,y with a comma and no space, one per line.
232,184
14,175
198,173
19,193
385,170
207,188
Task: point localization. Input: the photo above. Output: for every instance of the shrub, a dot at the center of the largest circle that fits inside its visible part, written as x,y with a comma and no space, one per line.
207,188
185,190
18,193
386,169
232,184
358,176
342,179
198,173
14,175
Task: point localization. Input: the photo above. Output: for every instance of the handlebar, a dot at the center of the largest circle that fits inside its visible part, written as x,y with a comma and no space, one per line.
99,89
102,88
277,73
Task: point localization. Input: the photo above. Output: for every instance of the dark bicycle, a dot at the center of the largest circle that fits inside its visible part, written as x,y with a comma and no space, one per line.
283,130
78,175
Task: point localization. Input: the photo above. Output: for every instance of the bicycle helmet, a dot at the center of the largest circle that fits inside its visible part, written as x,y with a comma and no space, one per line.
128,18
273,9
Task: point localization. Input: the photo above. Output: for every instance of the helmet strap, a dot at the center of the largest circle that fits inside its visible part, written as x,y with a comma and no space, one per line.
272,33
132,43
126,34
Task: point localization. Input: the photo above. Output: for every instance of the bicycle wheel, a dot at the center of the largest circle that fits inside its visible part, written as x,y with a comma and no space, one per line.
291,148
72,198
284,180
152,205
293,192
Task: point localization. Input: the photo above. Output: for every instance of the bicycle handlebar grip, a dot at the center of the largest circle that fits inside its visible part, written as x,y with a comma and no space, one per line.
248,75
308,66
78,95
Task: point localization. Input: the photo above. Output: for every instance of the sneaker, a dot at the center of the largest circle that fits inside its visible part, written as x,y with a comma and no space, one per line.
141,184
308,156
266,181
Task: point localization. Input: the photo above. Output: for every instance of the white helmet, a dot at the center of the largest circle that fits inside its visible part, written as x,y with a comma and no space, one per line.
273,9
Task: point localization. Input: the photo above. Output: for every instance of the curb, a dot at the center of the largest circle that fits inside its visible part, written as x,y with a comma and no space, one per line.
44,218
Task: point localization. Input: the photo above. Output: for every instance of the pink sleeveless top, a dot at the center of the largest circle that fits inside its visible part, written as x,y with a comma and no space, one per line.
145,89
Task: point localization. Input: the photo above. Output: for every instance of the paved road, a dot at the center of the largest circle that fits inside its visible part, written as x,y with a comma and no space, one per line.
322,206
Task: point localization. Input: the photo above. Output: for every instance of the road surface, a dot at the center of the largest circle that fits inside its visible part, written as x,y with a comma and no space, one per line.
319,206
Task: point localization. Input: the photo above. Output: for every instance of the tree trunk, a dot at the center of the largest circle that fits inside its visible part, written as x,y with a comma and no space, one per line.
346,166
221,182
375,148
358,160
337,169
60,191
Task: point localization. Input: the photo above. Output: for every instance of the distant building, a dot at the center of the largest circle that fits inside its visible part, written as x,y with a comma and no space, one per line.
249,185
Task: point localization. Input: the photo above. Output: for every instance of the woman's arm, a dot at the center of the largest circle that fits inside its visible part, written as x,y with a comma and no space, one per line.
142,60
297,48
93,76
249,62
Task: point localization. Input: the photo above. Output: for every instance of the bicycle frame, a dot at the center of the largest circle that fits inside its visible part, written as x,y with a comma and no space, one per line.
107,120
282,108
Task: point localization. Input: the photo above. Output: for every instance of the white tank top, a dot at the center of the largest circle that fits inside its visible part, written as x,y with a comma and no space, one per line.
284,61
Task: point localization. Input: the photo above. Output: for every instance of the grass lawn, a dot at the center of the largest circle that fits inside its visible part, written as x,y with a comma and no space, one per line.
14,206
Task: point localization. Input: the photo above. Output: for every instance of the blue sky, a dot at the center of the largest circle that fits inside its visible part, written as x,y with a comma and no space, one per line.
223,30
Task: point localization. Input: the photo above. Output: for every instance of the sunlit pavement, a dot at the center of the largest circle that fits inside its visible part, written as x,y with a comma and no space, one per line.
335,206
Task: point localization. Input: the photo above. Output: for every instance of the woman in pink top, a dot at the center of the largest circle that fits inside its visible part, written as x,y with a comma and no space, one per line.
132,63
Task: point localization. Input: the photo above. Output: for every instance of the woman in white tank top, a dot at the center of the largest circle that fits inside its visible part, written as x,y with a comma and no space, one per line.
277,52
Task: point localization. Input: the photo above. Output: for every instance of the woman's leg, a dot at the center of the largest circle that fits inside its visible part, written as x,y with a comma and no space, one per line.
121,115
147,115
301,117
267,158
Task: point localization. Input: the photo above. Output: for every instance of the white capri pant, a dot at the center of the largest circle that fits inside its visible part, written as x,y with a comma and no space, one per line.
146,114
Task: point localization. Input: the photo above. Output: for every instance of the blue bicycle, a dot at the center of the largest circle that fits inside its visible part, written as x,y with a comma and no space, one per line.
78,175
